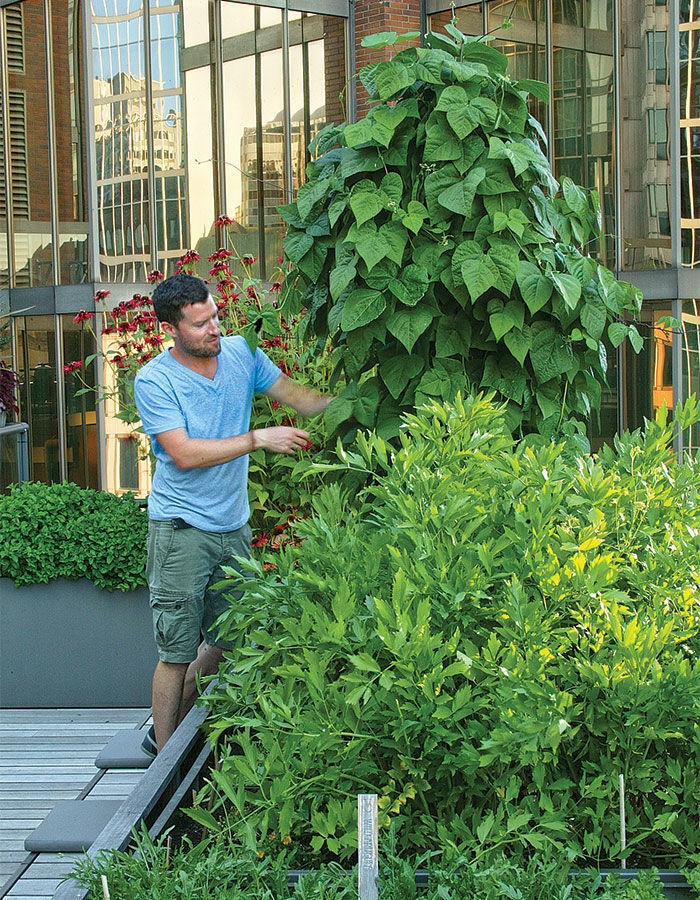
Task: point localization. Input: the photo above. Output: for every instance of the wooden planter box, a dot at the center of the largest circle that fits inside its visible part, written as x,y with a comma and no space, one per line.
71,644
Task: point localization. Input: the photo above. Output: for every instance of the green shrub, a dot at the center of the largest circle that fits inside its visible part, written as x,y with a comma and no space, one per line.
217,869
486,641
65,531
432,243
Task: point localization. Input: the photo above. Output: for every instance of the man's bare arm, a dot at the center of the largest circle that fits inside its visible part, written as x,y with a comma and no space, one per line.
304,400
200,453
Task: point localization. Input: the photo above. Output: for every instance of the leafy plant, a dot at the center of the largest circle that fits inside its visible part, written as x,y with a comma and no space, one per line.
432,244
65,531
216,868
486,640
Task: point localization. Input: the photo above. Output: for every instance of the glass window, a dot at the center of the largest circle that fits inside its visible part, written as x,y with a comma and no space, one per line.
690,376
241,76
172,237
29,150
469,19
81,423
38,396
71,160
644,100
657,131
121,140
649,376
656,55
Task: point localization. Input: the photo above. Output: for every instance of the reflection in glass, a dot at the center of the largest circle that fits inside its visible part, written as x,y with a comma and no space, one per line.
195,18
29,147
172,235
121,140
126,452
241,151
238,18
649,376
690,142
38,398
644,101
200,168
81,427
568,114
691,365
469,20
71,162
526,61
602,425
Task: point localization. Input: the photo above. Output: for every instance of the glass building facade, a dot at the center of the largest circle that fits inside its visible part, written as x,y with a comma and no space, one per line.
128,126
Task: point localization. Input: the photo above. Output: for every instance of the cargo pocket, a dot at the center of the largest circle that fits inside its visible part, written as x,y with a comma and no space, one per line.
175,626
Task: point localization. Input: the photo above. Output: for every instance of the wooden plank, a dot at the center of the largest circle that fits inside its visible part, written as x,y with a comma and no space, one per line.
41,886
86,714
33,771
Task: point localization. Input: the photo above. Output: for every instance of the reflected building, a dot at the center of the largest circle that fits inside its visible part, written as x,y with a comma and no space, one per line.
273,188
127,128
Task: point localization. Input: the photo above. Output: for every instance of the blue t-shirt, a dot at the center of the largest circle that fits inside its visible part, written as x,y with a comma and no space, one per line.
169,396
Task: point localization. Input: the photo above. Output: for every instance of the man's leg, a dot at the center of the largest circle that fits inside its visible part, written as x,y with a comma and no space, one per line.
206,663
168,682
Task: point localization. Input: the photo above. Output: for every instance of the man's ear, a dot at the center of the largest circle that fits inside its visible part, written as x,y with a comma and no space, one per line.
167,328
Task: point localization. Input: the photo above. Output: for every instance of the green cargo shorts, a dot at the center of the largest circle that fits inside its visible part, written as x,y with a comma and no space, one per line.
183,565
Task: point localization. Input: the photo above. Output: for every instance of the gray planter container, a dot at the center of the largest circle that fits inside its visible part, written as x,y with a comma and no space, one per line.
674,884
71,644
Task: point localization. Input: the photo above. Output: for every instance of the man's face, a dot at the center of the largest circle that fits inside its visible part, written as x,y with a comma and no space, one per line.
197,333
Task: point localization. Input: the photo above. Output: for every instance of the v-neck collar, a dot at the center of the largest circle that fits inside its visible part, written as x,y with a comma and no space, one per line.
206,378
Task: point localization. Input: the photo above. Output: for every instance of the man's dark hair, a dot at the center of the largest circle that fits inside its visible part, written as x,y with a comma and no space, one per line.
174,293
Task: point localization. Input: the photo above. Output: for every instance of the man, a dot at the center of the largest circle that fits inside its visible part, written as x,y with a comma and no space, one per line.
194,401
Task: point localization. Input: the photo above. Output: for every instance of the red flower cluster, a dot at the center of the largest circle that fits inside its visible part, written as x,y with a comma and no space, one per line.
221,253
73,366
249,260
155,275
223,221
100,295
83,316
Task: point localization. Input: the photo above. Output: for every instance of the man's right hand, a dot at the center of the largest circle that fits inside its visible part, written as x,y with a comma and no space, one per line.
280,439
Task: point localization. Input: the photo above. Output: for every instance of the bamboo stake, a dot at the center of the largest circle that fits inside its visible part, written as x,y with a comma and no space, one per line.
105,887
623,824
167,851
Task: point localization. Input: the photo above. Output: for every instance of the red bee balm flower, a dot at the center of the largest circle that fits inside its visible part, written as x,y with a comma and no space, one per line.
83,316
100,295
73,366
222,221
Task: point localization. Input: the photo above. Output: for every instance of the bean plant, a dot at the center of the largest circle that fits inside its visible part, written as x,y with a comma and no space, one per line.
486,638
432,243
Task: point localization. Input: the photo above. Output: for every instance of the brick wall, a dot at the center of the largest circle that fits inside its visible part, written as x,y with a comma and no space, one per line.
334,63
382,15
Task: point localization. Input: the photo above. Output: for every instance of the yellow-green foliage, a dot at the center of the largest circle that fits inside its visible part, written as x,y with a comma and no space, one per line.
486,639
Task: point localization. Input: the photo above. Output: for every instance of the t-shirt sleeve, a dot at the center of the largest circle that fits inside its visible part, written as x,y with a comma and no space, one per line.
158,408
266,372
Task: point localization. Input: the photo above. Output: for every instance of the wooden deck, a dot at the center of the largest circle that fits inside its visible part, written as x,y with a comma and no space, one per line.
48,755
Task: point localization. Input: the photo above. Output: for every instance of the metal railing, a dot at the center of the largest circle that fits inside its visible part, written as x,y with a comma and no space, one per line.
14,454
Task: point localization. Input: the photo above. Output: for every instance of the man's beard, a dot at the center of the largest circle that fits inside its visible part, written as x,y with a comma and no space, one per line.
202,352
